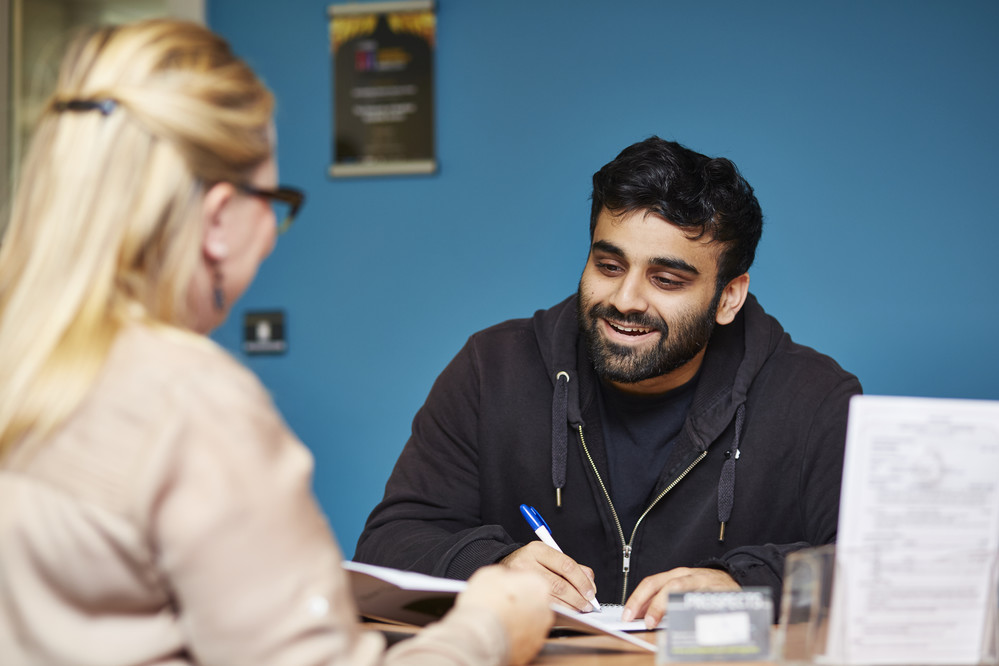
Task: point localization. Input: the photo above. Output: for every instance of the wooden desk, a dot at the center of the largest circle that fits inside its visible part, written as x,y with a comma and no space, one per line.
582,650
595,651
609,651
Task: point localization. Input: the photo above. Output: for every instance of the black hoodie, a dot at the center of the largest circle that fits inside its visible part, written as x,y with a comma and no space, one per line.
516,414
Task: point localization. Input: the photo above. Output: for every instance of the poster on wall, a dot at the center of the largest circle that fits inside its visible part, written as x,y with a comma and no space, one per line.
383,87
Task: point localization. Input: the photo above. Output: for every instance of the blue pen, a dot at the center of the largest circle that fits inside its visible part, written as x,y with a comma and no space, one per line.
539,525
544,533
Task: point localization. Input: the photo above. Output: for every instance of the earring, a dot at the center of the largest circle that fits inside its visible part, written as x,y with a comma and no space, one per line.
218,295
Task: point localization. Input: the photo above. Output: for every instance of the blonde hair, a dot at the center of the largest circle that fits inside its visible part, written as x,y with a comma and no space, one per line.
105,224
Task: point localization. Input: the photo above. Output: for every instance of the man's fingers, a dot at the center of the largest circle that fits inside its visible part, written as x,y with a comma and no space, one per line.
638,602
657,608
574,586
651,596
569,583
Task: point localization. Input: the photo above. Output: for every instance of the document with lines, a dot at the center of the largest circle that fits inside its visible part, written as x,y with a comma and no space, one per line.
916,554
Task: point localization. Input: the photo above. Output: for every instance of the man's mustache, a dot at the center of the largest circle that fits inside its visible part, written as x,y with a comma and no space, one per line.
638,319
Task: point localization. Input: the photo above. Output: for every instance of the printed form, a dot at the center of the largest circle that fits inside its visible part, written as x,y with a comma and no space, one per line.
916,554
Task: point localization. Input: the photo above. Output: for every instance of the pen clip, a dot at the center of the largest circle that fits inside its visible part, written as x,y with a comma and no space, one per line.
533,517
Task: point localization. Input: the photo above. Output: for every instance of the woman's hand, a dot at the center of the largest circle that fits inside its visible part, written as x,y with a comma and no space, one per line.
520,600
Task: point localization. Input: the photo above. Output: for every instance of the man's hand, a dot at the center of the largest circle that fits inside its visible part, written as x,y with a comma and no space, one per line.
569,583
650,597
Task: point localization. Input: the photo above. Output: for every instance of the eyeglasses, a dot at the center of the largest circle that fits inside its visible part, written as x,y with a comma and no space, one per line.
286,202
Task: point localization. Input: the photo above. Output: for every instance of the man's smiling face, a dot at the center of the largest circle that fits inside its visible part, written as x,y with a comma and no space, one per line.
647,301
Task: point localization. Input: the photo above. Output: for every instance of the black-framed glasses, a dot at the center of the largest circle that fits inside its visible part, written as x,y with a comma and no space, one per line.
286,202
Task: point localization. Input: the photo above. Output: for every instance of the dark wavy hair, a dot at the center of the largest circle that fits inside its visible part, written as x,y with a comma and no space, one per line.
707,196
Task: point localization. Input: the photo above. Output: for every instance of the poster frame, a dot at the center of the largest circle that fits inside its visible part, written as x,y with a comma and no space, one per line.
376,166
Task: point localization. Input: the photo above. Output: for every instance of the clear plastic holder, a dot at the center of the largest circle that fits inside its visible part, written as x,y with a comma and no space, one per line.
802,635
804,606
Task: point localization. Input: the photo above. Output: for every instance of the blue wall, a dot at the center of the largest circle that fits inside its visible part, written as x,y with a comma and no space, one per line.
867,128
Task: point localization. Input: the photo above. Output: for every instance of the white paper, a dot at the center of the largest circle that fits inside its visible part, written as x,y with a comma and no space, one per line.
918,533
600,622
609,616
716,629
407,580
392,595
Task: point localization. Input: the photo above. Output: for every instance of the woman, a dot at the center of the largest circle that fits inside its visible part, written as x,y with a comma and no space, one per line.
154,508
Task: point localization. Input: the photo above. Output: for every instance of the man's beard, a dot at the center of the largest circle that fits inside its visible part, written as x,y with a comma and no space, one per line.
677,345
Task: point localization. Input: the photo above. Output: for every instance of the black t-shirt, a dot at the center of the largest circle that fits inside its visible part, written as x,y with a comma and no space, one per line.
640,431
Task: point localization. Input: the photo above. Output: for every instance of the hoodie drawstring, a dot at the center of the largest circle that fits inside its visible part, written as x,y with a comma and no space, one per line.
560,434
726,482
560,447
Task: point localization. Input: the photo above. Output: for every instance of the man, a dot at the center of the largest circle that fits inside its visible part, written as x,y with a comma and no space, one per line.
667,429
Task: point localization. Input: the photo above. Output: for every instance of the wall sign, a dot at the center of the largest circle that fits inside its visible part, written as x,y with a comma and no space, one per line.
383,87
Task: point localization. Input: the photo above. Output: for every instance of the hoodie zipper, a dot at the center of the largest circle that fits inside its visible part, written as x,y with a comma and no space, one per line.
626,545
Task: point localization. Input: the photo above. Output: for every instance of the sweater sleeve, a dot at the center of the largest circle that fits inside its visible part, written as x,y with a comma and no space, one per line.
246,553
429,519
